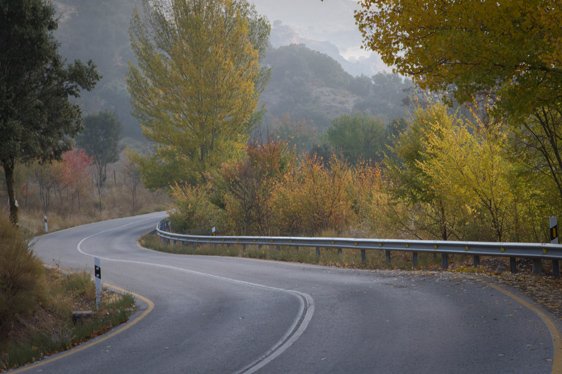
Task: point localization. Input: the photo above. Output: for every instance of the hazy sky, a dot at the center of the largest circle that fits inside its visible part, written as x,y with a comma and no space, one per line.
328,20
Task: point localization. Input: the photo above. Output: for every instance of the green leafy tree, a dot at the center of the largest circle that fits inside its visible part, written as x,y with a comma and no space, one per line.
100,140
196,88
359,136
37,120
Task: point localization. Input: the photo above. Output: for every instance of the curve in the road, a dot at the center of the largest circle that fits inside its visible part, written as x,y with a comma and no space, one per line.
554,333
299,325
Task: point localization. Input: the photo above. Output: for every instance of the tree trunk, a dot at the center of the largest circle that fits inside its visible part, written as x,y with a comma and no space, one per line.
9,167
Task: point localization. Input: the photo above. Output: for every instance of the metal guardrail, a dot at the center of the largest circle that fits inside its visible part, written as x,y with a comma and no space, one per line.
535,251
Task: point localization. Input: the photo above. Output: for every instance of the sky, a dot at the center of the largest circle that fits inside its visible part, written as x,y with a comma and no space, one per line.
328,20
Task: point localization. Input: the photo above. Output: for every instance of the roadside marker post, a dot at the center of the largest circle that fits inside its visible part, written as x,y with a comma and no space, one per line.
553,230
97,275
554,240
46,226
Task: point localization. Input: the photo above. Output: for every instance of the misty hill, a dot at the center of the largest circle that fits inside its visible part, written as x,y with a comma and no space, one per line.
312,86
308,84
283,35
98,31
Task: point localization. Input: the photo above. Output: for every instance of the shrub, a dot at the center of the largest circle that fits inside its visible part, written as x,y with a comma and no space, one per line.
22,278
315,198
192,211
246,186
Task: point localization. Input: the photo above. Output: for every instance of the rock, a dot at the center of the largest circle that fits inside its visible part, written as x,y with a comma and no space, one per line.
501,269
79,316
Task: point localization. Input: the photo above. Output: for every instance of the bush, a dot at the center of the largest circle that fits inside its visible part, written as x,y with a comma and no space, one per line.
246,187
22,278
316,198
192,211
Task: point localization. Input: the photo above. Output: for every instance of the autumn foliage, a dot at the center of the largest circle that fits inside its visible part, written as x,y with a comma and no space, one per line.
272,192
445,177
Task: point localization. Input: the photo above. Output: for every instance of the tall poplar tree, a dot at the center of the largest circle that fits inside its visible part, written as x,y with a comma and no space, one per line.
196,87
37,120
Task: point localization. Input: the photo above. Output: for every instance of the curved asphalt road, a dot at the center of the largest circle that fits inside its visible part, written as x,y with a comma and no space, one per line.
232,315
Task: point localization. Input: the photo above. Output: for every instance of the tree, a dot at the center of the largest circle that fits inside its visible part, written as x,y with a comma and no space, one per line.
507,51
359,137
196,88
100,140
134,180
429,209
75,172
37,120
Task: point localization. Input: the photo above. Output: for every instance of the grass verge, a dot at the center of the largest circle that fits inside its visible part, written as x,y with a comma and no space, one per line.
50,328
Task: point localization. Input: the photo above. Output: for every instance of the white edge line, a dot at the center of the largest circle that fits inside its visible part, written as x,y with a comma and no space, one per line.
300,323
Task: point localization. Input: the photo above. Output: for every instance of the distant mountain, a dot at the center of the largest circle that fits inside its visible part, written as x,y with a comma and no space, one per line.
314,87
312,82
283,35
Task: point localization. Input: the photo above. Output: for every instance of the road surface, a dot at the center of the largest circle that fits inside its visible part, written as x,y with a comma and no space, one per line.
204,314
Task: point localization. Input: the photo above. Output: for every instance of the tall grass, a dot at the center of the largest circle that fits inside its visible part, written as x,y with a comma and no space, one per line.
22,279
49,328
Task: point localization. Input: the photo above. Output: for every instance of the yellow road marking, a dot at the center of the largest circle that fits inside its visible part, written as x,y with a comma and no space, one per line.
554,333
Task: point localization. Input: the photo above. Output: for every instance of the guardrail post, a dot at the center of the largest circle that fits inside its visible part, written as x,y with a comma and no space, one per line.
555,268
387,257
243,248
193,246
363,256
259,246
278,249
297,247
537,266
169,241
476,260
415,259
513,265
339,251
227,245
445,260
317,251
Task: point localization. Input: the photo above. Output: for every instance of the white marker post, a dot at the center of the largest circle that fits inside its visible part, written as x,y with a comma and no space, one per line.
553,230
46,226
97,275
213,230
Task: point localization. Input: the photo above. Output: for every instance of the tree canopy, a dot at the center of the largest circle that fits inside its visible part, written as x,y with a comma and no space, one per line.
37,120
100,140
506,52
359,136
510,47
196,88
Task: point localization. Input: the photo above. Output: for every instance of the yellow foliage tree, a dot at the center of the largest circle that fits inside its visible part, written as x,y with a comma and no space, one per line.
507,50
196,87
429,214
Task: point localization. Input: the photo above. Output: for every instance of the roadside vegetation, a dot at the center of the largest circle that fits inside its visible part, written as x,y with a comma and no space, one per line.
37,304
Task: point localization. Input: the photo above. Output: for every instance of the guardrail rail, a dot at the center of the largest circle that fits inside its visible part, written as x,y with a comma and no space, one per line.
535,251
